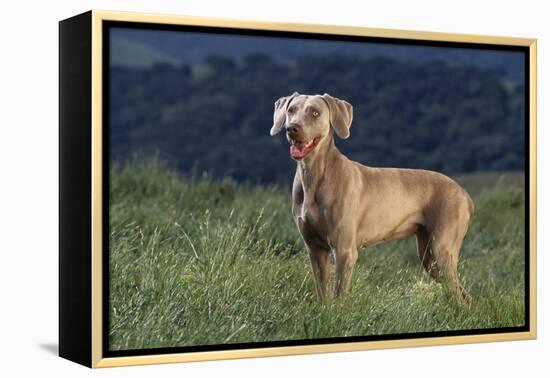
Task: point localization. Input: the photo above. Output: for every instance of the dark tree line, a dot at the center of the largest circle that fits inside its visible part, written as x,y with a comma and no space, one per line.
215,116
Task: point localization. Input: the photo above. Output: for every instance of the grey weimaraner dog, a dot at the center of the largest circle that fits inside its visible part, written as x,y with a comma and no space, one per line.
340,205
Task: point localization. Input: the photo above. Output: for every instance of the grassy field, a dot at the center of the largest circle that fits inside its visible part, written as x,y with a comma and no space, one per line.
198,261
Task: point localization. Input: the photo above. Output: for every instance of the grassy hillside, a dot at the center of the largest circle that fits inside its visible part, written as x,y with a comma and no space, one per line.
195,261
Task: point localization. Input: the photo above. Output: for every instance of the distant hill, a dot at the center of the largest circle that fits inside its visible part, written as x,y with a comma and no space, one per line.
214,116
187,47
130,53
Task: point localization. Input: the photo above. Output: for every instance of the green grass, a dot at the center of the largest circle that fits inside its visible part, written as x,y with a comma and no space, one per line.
198,261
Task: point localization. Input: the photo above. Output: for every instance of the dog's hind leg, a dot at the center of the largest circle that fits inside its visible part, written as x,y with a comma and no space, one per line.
446,244
424,250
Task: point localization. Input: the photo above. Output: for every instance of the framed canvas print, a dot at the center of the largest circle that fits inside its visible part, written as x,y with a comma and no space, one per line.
235,189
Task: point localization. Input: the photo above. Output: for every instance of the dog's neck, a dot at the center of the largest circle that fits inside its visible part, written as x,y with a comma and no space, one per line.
314,169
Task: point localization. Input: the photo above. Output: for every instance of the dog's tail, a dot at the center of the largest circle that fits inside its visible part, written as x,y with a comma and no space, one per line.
471,206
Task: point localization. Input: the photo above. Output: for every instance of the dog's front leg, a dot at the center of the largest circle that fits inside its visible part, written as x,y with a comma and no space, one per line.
319,258
344,259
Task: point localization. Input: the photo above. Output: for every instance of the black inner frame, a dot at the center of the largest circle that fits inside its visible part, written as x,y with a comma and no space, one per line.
106,25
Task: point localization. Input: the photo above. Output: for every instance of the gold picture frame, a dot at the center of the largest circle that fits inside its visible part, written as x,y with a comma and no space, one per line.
84,273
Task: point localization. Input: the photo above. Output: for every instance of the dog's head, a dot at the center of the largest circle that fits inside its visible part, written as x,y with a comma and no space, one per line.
309,121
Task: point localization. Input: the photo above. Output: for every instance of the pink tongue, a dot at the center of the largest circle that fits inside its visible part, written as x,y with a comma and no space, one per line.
295,152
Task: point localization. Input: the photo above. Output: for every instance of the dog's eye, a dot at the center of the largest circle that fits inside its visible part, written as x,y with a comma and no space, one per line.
315,113
290,110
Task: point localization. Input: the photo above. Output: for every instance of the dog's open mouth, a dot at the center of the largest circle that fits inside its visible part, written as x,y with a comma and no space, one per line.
299,150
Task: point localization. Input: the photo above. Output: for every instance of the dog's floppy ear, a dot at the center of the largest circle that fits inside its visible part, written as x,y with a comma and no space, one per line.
341,115
279,113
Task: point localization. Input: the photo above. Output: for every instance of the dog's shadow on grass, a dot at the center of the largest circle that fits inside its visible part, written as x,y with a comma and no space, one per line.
51,348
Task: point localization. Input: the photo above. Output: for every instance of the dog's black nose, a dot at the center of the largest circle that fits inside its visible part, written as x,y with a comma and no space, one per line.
292,129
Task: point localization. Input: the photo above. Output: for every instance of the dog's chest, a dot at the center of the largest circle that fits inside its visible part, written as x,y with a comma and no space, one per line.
310,217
